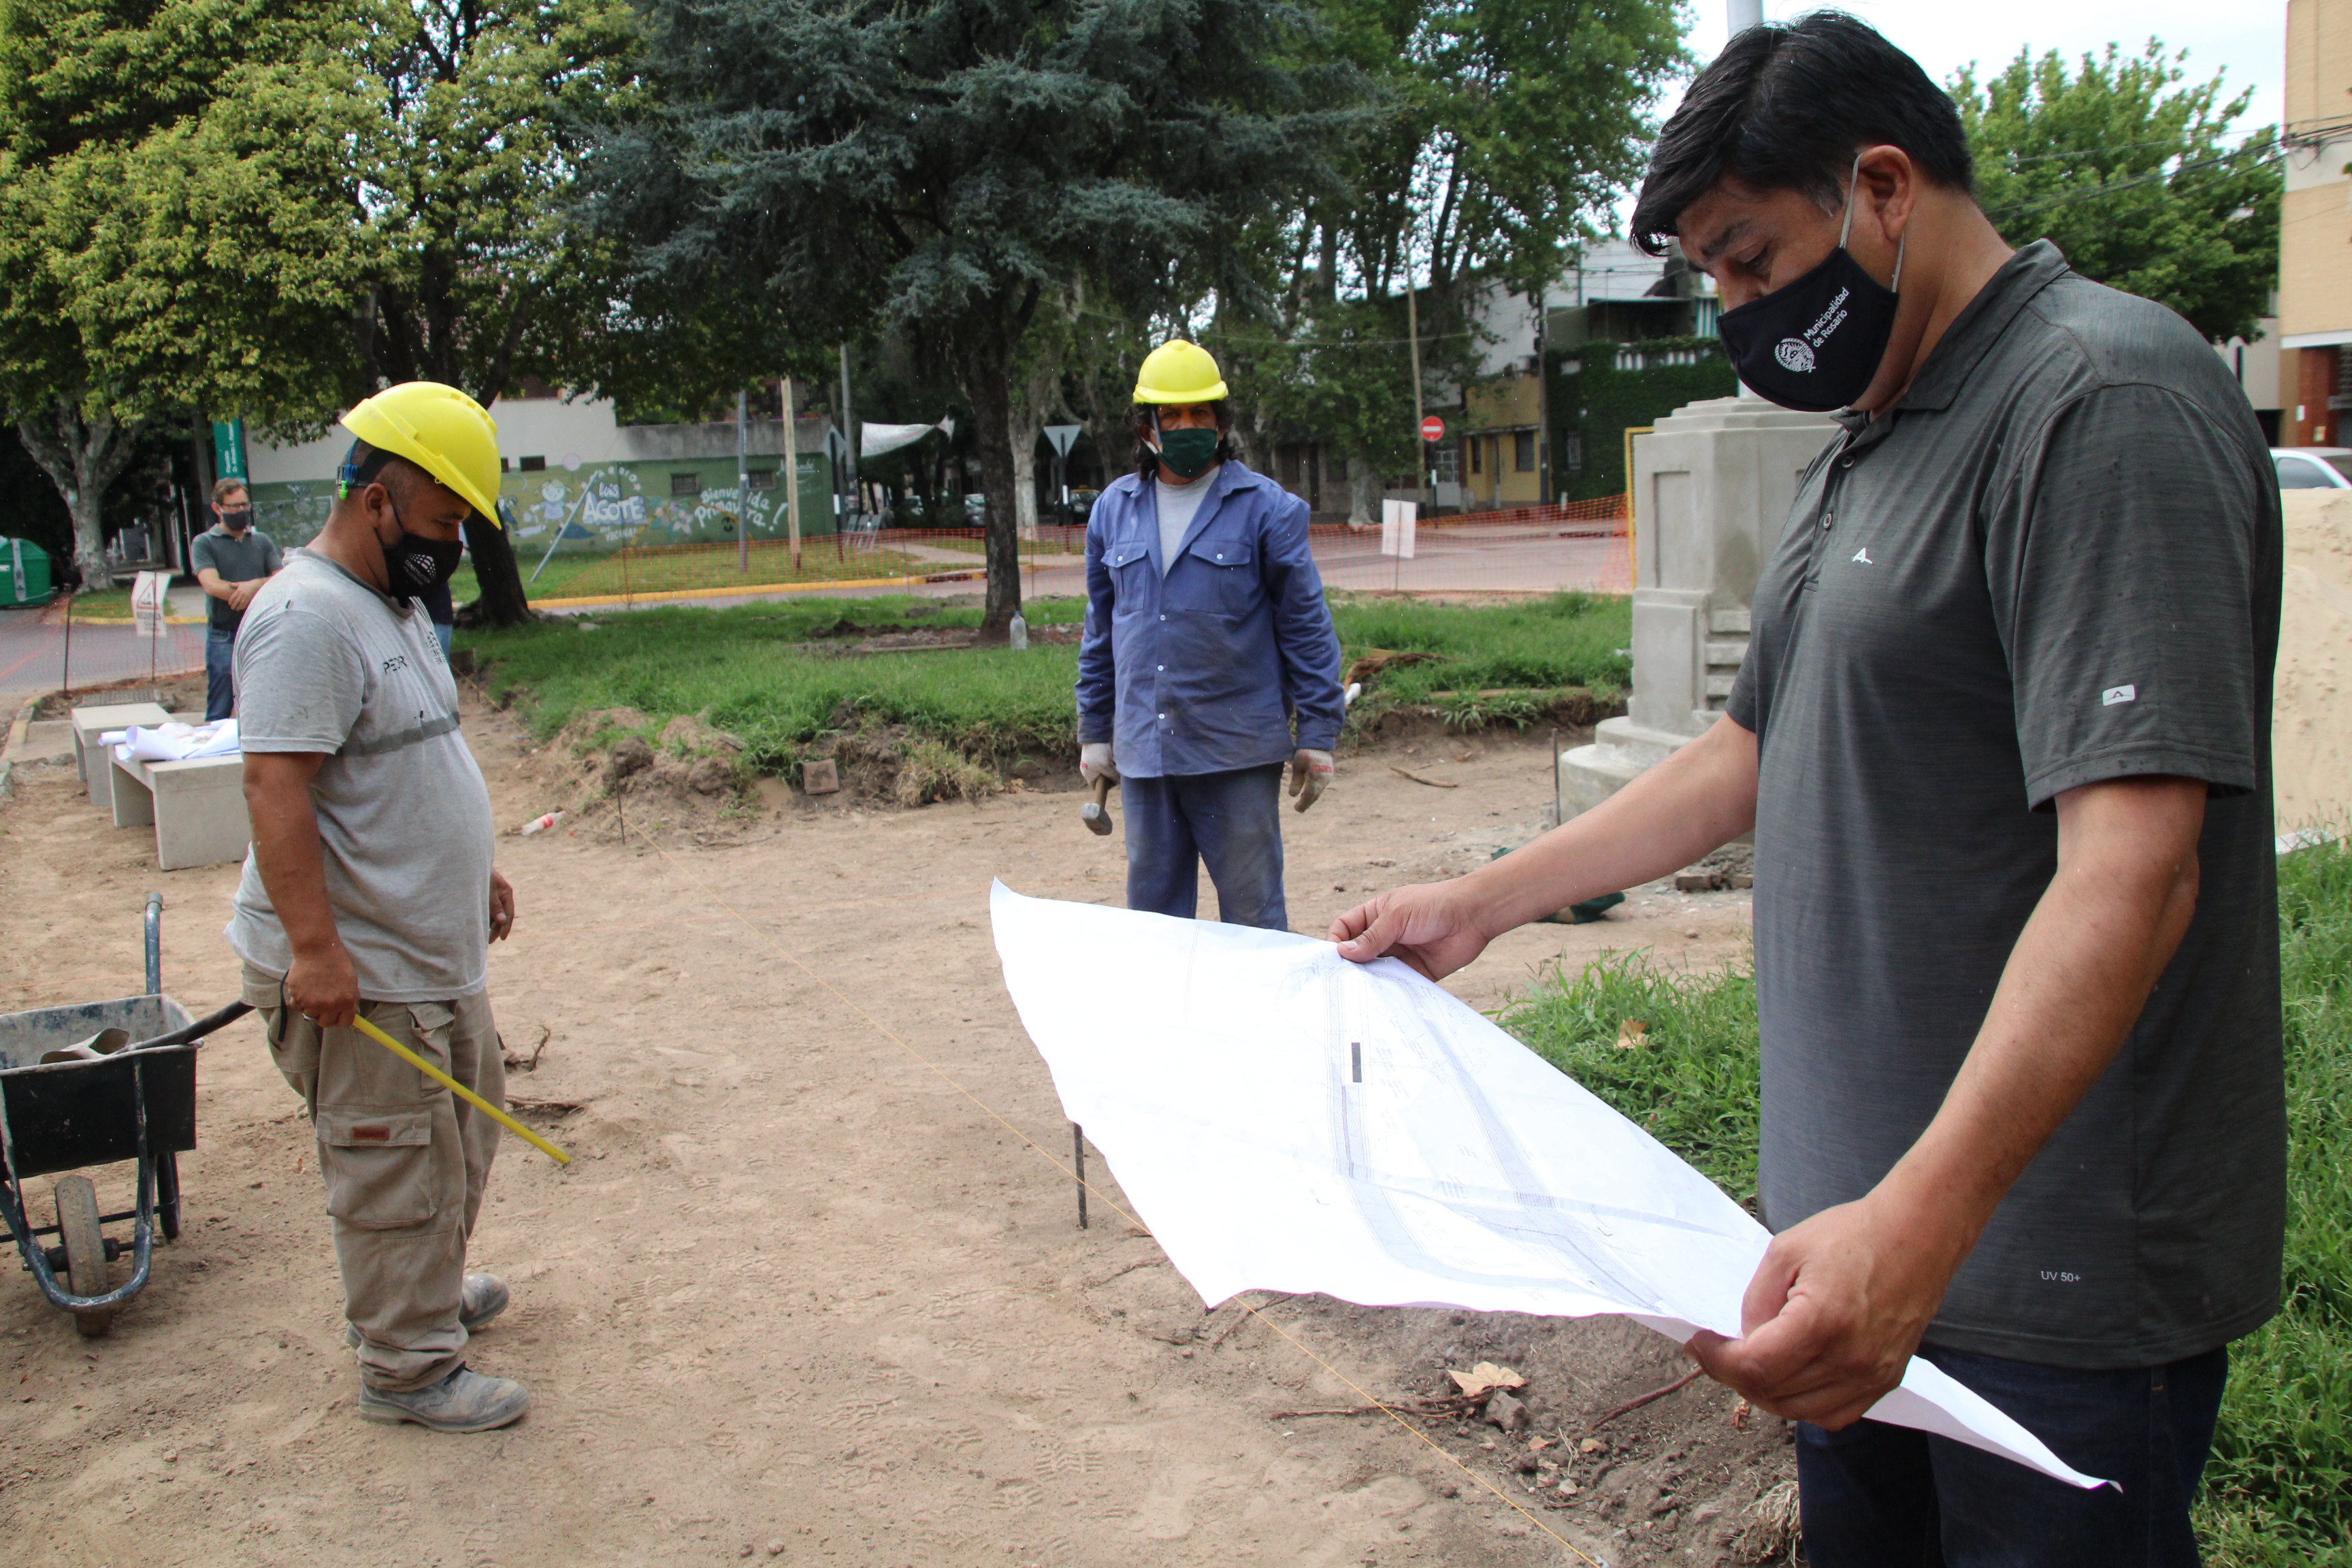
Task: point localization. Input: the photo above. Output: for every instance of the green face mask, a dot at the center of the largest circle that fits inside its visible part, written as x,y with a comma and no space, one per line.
1188,453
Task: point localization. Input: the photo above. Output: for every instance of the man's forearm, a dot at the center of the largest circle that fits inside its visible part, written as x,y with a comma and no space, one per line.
1699,798
2074,987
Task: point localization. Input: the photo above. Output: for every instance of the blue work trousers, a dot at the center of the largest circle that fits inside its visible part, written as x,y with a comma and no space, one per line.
1232,820
220,683
1888,1497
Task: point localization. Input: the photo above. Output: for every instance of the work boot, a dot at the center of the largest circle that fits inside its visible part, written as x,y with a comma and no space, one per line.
464,1401
482,1298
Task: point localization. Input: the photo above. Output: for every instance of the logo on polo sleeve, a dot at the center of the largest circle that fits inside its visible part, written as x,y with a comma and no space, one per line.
2115,694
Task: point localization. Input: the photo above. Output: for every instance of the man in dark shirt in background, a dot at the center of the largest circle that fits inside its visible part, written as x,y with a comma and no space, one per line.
233,559
2002,734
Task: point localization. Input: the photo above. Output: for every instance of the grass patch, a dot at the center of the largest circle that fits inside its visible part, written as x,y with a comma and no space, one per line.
1691,1084
746,668
1560,639
2278,1489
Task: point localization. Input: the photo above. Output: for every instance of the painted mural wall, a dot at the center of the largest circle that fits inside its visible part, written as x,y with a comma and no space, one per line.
603,506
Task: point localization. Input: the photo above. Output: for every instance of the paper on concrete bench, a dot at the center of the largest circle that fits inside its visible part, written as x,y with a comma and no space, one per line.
1283,1120
174,743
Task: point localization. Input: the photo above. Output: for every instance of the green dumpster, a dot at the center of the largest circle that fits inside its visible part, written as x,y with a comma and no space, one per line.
24,572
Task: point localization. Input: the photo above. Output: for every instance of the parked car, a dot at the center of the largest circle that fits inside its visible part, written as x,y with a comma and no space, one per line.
975,511
1082,502
2313,468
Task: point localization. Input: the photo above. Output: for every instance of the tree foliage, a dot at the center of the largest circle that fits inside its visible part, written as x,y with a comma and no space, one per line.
1505,127
942,165
2136,177
175,225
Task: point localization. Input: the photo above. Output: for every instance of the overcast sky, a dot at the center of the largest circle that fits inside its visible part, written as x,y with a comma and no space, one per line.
2247,40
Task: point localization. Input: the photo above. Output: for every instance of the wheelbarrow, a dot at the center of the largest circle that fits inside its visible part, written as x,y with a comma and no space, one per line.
138,1103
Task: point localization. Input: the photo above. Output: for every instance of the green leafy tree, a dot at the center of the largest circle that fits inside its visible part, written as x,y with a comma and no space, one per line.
943,166
2136,177
462,176
175,225
1505,128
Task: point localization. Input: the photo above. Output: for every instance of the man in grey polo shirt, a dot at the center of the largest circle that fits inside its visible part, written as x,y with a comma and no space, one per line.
2002,736
233,560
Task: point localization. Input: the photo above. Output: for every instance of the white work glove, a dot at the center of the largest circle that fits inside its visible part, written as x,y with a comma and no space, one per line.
1311,774
1095,758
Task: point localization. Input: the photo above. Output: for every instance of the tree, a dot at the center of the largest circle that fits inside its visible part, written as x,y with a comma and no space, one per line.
464,180
173,229
942,165
2136,177
1506,126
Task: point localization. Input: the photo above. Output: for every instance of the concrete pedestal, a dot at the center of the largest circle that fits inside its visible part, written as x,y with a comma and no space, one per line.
197,809
90,758
1712,485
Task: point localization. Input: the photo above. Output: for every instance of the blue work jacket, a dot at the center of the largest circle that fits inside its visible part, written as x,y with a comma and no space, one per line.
1198,669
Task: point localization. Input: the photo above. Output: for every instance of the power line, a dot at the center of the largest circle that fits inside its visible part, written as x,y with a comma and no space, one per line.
2109,187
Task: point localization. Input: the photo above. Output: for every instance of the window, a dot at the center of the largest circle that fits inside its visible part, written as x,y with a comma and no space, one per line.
686,484
763,479
1523,451
1478,454
1445,464
502,465
532,464
1571,452
2301,473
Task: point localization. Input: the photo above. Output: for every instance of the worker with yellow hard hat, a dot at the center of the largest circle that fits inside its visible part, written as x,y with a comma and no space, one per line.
1209,660
369,892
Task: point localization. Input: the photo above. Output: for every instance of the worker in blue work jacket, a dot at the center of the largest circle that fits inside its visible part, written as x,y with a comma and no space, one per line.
1206,635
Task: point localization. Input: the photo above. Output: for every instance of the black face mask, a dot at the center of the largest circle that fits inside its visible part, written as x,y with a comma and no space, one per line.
1816,344
416,566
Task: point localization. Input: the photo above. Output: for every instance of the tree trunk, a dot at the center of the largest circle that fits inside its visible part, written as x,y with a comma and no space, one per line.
502,601
82,457
1363,491
988,385
1024,481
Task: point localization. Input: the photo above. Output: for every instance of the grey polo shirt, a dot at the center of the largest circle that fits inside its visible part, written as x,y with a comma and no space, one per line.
237,561
2055,562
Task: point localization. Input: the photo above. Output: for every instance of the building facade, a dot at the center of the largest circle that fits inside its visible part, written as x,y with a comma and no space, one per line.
2314,306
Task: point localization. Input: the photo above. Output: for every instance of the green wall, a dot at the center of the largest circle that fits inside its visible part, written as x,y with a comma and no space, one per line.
1597,402
625,503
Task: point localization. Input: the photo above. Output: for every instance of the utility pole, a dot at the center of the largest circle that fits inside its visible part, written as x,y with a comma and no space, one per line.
742,482
849,441
792,473
1745,14
1544,437
1413,332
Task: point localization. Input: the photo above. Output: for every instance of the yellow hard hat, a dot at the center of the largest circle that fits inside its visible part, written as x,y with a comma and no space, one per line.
442,431
1179,372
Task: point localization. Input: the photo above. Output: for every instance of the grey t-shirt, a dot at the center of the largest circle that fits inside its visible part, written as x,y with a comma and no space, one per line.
325,663
2055,562
237,561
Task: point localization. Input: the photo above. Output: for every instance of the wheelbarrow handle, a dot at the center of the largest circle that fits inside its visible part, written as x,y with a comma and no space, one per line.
195,1031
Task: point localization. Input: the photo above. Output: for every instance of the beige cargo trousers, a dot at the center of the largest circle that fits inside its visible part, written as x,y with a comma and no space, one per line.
406,1162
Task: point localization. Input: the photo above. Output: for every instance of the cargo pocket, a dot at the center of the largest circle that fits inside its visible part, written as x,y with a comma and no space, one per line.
293,1039
379,1166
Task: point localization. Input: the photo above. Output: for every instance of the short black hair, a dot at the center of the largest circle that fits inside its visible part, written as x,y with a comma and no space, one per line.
364,464
1785,106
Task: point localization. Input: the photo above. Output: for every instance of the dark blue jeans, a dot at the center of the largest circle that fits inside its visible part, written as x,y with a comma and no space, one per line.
1232,820
220,688
1888,1497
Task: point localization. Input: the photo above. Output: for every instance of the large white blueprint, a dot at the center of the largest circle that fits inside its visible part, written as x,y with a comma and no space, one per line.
1283,1120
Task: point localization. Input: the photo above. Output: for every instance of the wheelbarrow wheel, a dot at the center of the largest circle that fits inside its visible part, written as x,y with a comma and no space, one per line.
85,1249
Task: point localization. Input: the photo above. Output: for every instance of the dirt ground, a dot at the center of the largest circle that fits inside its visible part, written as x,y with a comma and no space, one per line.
804,1297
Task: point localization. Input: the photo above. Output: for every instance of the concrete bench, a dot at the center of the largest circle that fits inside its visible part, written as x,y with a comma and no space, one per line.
90,758
198,807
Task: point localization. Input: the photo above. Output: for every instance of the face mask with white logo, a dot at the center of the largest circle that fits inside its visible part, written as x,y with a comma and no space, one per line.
1815,344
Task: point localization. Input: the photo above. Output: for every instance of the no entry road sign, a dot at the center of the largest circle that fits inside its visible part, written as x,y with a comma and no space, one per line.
1433,428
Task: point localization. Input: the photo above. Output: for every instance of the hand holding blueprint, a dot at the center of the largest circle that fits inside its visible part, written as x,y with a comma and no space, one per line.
1283,1120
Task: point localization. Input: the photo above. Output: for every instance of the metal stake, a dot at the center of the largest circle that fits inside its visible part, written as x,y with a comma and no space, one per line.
1079,1160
